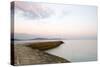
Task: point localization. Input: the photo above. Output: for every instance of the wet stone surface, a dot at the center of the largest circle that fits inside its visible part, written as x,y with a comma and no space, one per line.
27,56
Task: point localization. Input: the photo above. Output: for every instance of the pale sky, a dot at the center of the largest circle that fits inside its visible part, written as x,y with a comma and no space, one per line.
56,20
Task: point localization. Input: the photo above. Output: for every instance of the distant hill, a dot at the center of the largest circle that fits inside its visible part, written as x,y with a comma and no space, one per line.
19,37
37,39
45,38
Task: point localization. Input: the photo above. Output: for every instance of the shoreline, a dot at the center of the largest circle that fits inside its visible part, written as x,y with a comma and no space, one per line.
35,54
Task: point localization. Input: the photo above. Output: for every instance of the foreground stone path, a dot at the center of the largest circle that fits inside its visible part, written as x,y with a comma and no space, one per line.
26,56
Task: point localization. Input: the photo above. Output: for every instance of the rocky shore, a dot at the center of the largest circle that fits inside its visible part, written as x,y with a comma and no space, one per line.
34,53
45,45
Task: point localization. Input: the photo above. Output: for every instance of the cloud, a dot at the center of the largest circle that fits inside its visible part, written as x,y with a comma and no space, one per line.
33,10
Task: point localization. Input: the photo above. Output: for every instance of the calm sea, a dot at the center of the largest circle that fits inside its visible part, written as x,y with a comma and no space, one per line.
73,50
